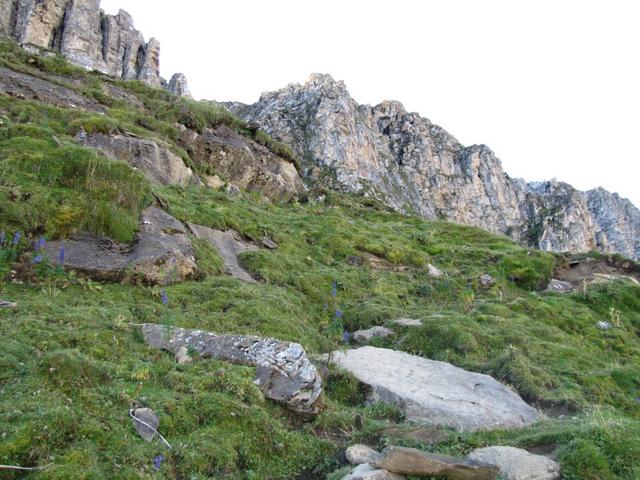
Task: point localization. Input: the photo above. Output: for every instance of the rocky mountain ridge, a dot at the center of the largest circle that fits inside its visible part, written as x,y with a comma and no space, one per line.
88,37
416,166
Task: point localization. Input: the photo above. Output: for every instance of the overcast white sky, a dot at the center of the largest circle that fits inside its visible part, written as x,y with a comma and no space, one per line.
553,87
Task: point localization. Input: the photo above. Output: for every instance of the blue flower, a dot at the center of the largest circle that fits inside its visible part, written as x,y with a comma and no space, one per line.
157,462
346,337
16,239
37,259
334,289
164,297
61,255
40,244
339,313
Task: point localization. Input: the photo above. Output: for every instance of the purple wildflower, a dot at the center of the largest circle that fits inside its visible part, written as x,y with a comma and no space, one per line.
339,313
346,337
334,289
61,255
40,244
37,259
157,462
164,297
3,237
16,239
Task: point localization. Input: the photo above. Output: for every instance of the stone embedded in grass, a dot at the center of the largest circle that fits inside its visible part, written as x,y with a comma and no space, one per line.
268,243
229,245
517,464
434,271
407,322
559,286
602,325
365,336
486,280
283,370
160,254
7,304
410,461
436,393
146,422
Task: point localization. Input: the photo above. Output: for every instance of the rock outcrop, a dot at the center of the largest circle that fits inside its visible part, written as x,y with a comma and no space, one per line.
284,372
414,165
85,35
241,161
157,163
160,254
436,393
179,86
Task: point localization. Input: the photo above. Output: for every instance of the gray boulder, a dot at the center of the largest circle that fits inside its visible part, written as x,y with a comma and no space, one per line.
368,472
283,371
407,322
159,164
436,393
365,336
517,464
229,245
410,461
160,254
359,454
559,286
434,271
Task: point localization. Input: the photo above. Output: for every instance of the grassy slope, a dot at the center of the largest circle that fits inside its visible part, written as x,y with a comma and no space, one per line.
71,363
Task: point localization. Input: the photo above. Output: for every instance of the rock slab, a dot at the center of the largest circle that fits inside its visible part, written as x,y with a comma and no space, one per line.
160,254
359,454
436,393
365,336
410,461
283,371
517,464
229,245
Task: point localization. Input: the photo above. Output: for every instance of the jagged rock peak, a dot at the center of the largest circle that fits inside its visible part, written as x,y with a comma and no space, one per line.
179,86
413,165
82,32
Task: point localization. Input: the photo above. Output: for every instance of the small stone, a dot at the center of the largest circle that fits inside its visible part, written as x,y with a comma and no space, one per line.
559,286
359,454
7,304
604,325
365,336
268,243
517,464
407,322
143,419
434,271
233,190
367,472
486,280
182,356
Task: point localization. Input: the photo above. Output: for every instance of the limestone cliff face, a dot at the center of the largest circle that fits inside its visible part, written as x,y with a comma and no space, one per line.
83,33
415,165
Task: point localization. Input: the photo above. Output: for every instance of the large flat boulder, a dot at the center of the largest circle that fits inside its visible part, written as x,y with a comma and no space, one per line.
283,371
518,464
156,162
243,162
436,393
409,461
160,254
368,472
229,245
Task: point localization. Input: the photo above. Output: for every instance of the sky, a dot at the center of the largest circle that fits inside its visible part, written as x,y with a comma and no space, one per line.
552,87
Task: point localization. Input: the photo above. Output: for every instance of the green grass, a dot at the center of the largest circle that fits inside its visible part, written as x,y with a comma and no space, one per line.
72,361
